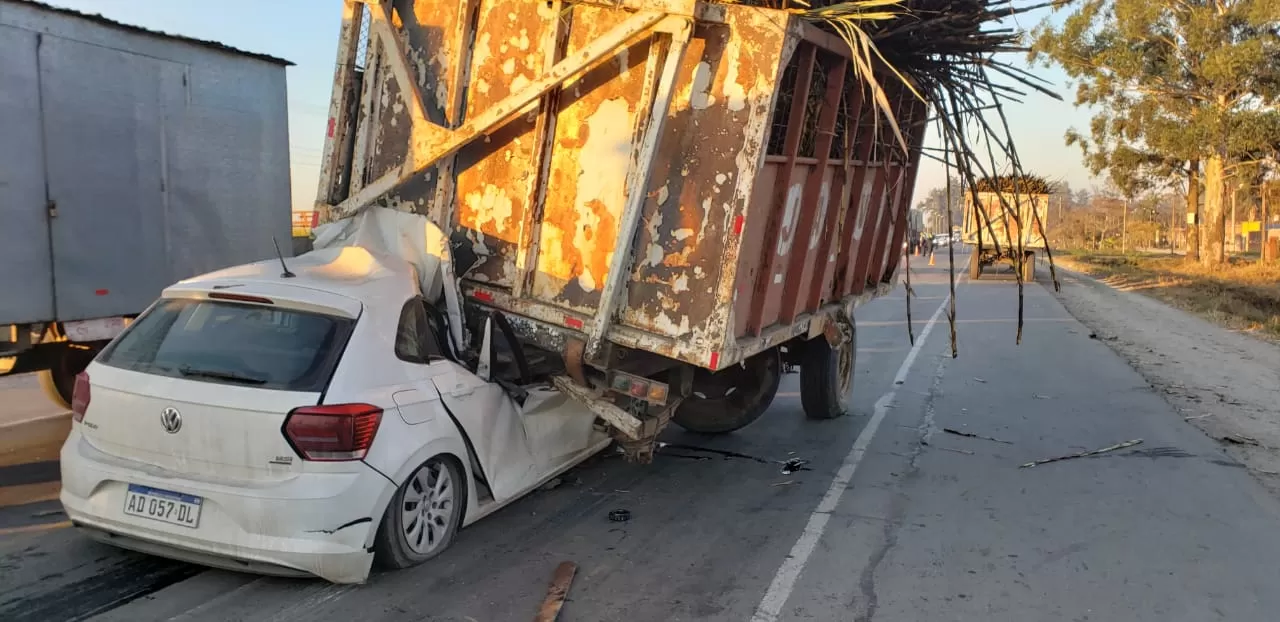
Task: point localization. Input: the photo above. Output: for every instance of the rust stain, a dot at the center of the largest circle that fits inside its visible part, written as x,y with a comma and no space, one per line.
595,133
496,176
702,221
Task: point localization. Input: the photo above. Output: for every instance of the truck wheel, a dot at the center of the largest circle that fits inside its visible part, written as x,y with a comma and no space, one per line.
59,381
826,377
975,266
1029,268
731,398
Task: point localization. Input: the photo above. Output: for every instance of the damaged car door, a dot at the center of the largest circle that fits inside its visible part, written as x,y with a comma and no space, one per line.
490,418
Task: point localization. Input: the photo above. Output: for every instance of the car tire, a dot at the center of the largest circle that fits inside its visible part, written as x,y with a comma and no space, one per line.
421,519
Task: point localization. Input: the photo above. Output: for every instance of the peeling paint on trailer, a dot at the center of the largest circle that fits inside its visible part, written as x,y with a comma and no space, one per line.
706,165
732,242
594,130
497,176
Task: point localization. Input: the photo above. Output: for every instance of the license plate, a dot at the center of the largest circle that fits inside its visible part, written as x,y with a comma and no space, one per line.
166,506
94,330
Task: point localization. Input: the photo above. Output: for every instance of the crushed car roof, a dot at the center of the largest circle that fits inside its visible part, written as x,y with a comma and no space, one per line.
350,271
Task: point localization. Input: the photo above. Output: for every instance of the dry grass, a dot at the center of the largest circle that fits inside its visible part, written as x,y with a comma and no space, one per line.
1243,295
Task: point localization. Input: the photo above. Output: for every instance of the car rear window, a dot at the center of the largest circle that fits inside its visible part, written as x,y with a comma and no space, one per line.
231,343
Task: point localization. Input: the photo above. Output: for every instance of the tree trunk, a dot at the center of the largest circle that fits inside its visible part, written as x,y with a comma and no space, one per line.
1124,228
1193,211
1214,230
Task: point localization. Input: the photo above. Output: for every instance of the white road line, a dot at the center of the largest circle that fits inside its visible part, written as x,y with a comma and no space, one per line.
784,581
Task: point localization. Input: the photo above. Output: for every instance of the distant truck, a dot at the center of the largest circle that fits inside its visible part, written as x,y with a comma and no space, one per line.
131,159
631,194
991,228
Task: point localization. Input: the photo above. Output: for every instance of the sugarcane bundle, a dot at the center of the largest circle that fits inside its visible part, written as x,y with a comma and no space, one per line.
1014,184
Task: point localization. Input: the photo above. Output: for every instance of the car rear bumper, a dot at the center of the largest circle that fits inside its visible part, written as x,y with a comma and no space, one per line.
319,524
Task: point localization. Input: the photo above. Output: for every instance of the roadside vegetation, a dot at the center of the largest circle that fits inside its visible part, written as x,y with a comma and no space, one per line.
1242,294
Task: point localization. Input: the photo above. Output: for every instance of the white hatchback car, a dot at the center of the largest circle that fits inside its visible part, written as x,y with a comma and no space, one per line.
307,422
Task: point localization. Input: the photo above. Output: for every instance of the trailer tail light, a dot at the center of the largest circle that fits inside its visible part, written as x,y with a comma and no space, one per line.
80,397
638,387
483,296
335,433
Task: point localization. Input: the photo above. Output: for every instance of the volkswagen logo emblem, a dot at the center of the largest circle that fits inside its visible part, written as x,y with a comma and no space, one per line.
171,419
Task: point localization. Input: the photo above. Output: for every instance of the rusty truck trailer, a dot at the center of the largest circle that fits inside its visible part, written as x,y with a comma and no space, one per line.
651,185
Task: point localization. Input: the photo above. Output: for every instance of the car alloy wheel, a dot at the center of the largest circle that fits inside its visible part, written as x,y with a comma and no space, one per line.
423,516
428,507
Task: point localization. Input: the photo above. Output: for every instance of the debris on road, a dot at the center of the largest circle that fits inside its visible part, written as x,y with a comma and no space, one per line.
1083,454
620,516
972,435
794,464
959,451
786,483
1194,417
789,466
1240,439
557,593
1040,397
976,379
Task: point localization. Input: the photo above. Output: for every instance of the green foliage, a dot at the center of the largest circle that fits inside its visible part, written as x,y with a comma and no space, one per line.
1173,80
1174,83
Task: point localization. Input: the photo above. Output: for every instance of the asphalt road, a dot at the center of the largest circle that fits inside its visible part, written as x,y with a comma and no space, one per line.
898,517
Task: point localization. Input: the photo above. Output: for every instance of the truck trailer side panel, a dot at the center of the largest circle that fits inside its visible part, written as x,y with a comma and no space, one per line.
26,270
143,158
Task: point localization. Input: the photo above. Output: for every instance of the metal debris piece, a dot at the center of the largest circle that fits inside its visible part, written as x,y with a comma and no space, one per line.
1194,417
794,464
976,379
1040,397
620,516
1239,439
556,594
1083,454
786,483
972,435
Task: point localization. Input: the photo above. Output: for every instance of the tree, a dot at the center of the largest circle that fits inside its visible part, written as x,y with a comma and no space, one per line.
1185,84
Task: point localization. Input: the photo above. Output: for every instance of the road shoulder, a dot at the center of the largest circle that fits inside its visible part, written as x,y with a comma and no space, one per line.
1225,383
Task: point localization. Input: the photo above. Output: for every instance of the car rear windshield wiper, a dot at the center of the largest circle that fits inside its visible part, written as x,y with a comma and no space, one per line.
220,375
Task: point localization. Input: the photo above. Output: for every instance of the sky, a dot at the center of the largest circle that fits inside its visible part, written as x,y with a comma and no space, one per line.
306,33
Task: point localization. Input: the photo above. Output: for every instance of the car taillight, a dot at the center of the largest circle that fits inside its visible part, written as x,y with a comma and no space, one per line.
332,433
80,396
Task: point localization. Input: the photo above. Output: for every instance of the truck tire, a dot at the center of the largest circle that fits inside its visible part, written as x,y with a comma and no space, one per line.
826,377
734,397
59,381
1029,268
975,265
